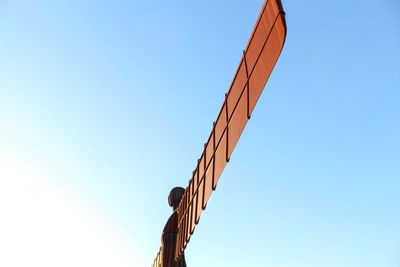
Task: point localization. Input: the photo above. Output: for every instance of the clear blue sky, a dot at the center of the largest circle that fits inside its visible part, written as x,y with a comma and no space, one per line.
105,106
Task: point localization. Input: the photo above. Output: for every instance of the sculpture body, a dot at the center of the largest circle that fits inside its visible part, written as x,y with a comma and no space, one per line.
170,232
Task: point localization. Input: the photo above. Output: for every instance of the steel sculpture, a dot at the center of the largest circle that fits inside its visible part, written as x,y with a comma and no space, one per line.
258,60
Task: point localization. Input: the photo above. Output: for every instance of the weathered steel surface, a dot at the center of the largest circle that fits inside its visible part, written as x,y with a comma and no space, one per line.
259,58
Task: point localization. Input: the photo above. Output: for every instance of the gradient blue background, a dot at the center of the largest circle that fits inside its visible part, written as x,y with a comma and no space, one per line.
116,98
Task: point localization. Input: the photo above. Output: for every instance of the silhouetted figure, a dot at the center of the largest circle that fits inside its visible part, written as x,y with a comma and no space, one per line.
170,232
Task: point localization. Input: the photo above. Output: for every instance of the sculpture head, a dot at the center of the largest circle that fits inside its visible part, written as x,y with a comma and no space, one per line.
175,196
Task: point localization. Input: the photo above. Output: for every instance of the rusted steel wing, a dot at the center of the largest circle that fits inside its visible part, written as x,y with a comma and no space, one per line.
259,58
158,259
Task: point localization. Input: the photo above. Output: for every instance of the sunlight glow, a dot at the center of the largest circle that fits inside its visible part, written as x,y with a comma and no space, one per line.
41,226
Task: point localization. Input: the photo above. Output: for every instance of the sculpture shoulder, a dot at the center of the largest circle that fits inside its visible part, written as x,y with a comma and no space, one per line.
172,224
